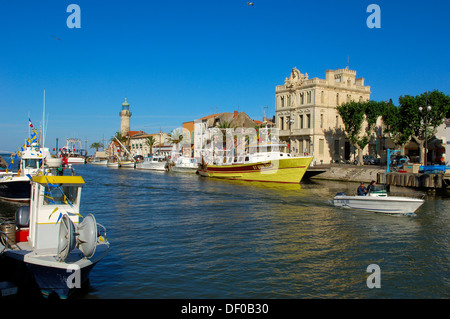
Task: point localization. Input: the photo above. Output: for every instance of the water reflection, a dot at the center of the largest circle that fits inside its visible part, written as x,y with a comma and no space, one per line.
185,236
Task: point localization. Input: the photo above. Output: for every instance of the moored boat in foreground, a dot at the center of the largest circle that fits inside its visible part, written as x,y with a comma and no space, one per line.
57,246
378,200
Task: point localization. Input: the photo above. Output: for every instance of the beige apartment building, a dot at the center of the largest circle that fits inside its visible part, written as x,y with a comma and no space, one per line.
306,115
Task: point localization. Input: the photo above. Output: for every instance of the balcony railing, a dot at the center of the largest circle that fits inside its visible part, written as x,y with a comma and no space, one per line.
292,132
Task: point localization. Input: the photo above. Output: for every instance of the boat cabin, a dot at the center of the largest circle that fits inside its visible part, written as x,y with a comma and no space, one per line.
378,191
51,198
32,159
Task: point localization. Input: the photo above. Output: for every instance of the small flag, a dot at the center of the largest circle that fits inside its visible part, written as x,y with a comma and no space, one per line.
29,122
33,136
59,217
53,212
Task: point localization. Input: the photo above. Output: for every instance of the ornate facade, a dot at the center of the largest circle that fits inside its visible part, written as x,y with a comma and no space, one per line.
306,115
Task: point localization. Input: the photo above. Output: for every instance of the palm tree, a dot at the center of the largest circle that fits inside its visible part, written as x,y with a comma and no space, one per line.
150,141
118,136
224,125
176,136
96,145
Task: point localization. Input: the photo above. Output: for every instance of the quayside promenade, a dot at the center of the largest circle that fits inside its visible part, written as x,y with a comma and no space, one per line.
366,173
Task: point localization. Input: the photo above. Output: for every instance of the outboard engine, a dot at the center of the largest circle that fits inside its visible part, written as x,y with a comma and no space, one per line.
23,216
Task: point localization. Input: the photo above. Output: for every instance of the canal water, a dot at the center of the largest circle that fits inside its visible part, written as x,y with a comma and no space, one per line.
184,236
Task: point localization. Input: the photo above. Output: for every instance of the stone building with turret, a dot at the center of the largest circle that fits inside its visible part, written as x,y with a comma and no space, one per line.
306,115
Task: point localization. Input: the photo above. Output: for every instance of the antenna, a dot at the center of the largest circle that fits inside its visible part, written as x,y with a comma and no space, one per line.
43,122
29,125
348,61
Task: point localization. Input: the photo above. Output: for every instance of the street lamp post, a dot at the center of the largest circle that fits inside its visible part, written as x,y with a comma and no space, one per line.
290,121
428,109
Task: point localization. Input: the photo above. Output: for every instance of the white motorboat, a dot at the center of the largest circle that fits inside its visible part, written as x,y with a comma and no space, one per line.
183,164
156,163
50,241
378,200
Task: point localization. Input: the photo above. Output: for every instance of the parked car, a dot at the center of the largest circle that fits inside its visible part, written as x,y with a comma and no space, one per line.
399,160
371,160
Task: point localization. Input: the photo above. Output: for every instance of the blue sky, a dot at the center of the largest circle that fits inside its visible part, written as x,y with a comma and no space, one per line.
177,61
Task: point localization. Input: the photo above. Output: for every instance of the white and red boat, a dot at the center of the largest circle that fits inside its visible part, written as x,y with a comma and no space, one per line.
73,151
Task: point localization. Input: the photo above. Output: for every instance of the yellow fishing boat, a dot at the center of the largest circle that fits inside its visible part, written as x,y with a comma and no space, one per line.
269,167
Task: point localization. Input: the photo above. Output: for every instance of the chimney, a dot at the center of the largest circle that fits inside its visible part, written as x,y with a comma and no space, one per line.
329,76
235,113
359,81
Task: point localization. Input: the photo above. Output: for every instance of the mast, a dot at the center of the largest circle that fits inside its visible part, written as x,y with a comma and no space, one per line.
125,148
43,122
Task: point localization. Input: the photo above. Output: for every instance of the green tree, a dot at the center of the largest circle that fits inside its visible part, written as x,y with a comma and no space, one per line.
118,136
224,125
176,136
354,115
150,141
419,122
96,145
393,124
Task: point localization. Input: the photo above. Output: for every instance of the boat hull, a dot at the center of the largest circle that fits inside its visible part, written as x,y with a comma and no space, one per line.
76,160
53,277
15,189
178,169
113,165
161,166
286,170
387,205
103,163
127,164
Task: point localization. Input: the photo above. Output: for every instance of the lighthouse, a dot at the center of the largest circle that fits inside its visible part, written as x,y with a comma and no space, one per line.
125,115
